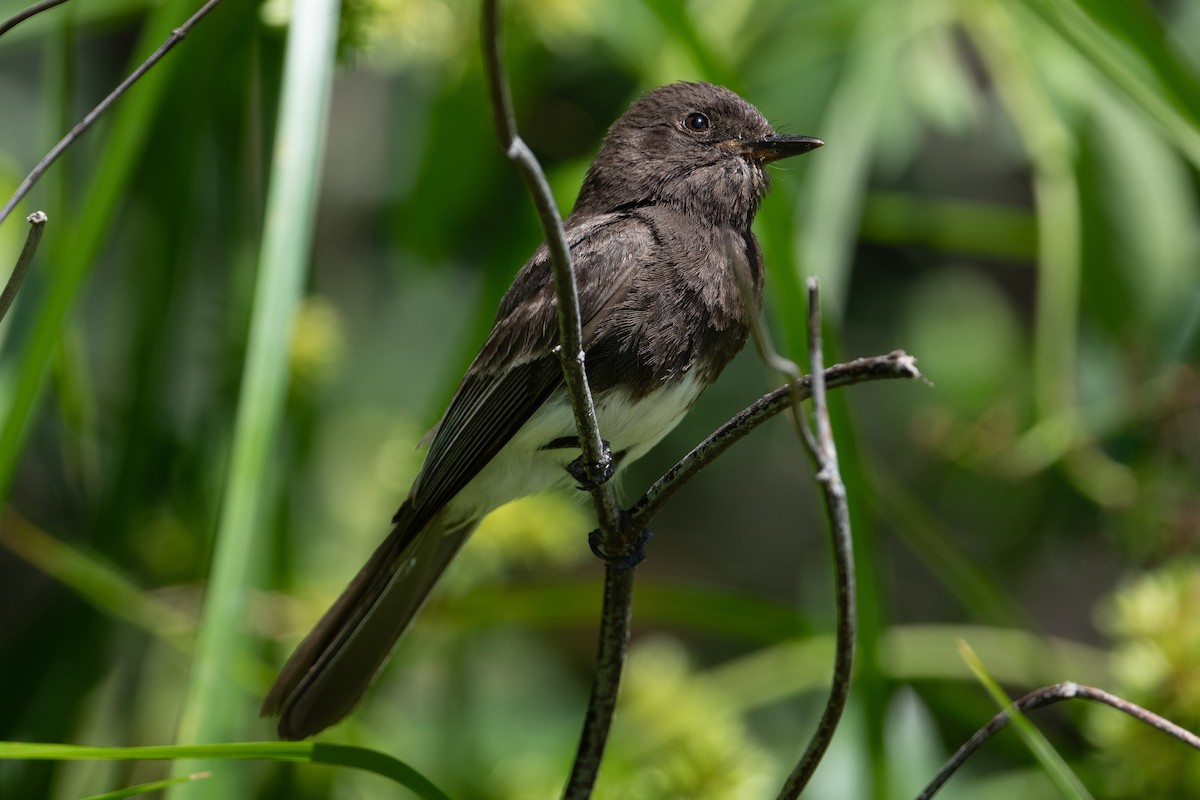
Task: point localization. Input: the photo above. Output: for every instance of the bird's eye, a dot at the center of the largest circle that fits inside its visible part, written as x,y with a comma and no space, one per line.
696,121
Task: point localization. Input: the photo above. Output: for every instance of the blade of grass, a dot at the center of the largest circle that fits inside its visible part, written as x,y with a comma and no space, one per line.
677,24
308,752
95,580
146,788
907,654
214,707
1054,765
828,212
969,227
1126,44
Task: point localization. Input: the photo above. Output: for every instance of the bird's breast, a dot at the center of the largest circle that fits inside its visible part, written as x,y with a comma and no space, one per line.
535,458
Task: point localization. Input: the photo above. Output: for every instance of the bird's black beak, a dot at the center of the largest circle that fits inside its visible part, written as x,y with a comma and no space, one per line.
773,148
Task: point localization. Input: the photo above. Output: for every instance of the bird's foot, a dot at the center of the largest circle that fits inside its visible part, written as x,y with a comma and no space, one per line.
620,562
593,476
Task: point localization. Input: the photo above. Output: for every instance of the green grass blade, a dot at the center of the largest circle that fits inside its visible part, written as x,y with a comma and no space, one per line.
95,580
307,752
987,229
1054,765
215,707
1127,44
830,208
146,788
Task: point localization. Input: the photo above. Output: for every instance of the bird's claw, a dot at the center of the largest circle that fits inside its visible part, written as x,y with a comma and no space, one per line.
636,556
593,476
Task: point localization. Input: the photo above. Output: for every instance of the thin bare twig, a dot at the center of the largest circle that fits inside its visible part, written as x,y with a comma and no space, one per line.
176,36
570,329
824,453
762,338
818,440
32,11
890,367
37,221
617,541
1049,695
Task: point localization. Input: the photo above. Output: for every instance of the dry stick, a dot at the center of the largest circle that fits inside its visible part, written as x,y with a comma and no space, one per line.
617,543
570,331
820,445
824,453
172,40
895,365
1047,696
36,221
32,11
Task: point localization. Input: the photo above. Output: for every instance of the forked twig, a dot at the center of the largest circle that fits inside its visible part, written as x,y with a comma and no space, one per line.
896,365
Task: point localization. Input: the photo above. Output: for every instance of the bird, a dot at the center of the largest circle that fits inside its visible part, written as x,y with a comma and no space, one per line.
669,278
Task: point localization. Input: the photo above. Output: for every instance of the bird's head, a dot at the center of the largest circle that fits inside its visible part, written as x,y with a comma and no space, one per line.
695,146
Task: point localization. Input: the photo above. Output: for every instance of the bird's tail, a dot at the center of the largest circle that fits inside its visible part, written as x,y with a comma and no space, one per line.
332,668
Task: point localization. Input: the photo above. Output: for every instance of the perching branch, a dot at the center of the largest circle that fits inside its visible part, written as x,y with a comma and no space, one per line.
36,220
1049,695
570,329
79,129
32,11
615,536
619,531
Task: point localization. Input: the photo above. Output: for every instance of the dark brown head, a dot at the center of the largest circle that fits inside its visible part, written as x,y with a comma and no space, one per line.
695,146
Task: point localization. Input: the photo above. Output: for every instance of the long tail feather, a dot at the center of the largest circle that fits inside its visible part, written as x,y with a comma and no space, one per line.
332,668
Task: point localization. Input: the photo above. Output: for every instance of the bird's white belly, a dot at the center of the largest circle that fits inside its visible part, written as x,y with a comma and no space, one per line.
525,466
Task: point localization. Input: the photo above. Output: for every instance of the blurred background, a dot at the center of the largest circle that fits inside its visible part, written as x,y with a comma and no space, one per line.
1009,192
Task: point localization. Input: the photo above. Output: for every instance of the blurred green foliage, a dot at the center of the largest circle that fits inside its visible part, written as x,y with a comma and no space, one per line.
1010,192
1156,664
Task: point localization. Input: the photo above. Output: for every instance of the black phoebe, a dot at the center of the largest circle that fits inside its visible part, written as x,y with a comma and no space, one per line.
659,235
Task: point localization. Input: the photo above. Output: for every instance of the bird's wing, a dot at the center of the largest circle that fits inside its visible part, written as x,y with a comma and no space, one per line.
517,368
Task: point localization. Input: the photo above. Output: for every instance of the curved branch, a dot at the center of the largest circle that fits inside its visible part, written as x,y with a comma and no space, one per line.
896,364
818,438
1049,695
32,11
